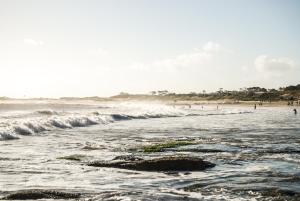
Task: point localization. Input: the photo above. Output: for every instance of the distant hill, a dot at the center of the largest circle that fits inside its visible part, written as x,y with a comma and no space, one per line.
289,93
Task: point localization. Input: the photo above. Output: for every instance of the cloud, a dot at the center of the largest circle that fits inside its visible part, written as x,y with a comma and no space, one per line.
245,68
32,42
264,63
196,58
212,47
99,52
192,59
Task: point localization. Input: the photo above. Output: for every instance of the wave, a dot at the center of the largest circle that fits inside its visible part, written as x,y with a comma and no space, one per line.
29,128
22,130
35,127
82,122
7,136
50,120
119,117
75,121
43,124
47,112
59,124
220,113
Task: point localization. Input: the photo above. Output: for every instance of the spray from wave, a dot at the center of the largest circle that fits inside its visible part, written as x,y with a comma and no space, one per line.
48,120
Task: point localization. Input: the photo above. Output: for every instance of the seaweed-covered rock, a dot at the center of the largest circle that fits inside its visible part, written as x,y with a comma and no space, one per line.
40,194
179,163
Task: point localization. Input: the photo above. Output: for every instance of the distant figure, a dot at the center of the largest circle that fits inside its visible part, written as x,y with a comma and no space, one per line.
190,106
295,111
255,106
217,107
202,107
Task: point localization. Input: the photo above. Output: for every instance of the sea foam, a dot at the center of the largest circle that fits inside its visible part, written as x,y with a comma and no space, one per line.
48,120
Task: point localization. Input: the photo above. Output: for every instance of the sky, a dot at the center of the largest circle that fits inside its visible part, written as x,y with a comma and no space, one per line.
55,48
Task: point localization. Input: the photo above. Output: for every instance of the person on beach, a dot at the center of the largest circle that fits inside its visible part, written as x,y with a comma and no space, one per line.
255,106
295,111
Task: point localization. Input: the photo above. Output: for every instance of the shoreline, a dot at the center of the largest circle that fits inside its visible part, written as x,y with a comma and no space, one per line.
170,102
240,103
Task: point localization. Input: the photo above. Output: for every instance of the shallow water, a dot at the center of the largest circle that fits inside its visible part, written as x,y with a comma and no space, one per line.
256,152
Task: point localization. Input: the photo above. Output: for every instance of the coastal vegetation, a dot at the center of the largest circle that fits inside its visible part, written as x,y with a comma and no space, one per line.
289,93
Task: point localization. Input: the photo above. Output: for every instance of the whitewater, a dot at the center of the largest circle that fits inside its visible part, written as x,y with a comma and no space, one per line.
47,144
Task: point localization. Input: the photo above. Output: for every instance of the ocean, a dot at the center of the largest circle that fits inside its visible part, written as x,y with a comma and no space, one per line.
47,145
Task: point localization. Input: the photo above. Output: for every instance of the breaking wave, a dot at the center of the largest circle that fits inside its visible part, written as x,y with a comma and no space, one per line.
119,117
22,130
7,136
15,129
49,120
220,113
47,112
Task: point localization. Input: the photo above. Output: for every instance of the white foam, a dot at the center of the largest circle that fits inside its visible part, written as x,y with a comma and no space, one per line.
7,136
48,120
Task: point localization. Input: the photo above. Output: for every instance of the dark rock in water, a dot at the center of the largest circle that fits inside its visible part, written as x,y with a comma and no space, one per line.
159,164
127,158
40,194
75,157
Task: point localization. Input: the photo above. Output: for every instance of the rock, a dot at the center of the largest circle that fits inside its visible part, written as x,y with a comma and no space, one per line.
75,157
40,194
179,163
127,158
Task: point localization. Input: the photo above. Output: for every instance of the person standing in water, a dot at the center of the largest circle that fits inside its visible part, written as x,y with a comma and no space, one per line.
255,106
295,111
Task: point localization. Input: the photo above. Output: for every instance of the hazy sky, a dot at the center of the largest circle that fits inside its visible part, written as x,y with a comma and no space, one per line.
99,48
